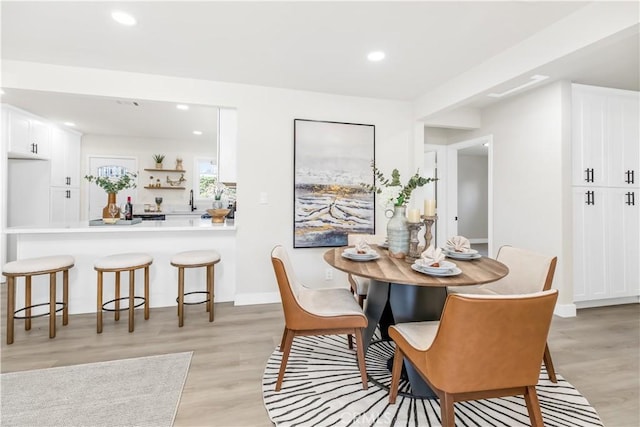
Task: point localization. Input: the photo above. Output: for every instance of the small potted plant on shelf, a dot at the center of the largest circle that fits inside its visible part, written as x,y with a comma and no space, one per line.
158,158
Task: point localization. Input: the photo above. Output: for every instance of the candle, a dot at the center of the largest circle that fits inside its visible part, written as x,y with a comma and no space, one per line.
414,215
430,207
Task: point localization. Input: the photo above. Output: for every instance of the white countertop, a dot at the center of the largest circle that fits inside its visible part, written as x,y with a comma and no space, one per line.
196,224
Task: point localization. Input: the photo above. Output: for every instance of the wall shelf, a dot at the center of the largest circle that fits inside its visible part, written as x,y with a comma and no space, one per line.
163,188
166,170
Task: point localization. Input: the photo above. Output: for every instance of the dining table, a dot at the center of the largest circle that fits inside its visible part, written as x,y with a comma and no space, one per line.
398,293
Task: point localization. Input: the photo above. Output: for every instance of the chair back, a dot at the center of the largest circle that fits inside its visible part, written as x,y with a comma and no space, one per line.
487,342
288,284
529,272
371,239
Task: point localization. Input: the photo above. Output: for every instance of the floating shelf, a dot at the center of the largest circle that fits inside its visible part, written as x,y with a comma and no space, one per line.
166,170
163,188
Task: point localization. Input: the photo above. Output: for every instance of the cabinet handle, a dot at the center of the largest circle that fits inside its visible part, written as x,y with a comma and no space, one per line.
631,198
36,145
68,194
590,198
589,175
68,180
630,177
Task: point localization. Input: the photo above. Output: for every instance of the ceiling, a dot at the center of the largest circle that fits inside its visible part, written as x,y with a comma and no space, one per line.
315,46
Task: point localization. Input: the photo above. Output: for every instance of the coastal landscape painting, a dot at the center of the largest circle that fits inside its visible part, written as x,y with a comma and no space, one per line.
331,162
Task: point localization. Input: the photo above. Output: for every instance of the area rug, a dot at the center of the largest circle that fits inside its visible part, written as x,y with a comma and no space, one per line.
144,391
322,387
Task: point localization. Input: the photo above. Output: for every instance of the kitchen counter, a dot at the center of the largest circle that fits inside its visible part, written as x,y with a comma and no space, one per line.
160,239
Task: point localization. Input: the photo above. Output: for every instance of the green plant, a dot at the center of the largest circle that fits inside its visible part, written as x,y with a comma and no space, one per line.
392,190
158,158
114,184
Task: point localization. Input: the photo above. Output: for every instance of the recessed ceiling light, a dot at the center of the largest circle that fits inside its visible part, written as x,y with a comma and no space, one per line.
70,124
182,107
534,79
376,56
197,132
123,18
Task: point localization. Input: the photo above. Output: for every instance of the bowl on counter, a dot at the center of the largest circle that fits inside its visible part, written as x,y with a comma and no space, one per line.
218,215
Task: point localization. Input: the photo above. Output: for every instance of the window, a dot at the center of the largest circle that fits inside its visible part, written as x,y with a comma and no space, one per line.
205,176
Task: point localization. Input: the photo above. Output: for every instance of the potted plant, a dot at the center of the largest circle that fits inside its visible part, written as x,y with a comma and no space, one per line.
158,158
112,185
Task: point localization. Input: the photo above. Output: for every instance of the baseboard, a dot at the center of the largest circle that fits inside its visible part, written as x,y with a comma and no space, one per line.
608,301
478,241
257,298
565,310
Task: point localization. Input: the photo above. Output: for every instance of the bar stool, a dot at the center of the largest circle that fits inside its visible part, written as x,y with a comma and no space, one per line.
118,263
28,268
193,259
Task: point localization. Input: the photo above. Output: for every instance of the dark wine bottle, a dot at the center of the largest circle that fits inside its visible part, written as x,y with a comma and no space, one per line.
128,211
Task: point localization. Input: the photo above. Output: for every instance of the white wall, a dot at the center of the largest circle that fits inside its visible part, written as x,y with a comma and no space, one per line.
532,164
265,151
473,197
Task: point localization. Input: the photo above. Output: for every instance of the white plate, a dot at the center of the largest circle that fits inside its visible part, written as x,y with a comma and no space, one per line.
467,252
453,272
463,257
443,267
360,257
354,253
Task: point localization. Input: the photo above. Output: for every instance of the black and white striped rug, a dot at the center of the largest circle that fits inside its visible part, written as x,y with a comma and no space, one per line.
322,387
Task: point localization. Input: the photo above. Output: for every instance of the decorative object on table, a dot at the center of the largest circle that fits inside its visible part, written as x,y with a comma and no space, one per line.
428,222
392,192
176,182
179,164
219,190
414,250
218,215
112,185
158,158
158,203
331,163
459,244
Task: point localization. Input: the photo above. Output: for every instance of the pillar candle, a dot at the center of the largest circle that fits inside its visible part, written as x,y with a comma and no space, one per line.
429,207
414,215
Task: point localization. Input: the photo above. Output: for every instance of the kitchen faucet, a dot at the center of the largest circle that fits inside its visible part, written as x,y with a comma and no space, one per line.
193,206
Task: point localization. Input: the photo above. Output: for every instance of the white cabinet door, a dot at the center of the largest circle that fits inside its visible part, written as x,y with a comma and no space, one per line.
624,139
589,143
29,137
65,158
65,205
589,249
623,241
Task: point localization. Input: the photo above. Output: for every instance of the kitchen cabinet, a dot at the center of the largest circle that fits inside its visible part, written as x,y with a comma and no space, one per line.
605,139
28,135
606,194
64,205
65,158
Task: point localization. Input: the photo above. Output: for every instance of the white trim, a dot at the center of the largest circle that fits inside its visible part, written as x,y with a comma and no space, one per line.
565,310
607,302
257,298
479,240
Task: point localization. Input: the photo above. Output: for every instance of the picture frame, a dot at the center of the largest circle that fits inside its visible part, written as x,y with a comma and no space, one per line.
332,162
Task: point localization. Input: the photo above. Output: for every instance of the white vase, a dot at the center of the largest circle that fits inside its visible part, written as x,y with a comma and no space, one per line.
398,233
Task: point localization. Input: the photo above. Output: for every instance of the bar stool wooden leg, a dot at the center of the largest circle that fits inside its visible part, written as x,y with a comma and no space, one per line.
65,297
210,290
180,297
132,290
117,301
11,307
52,305
146,293
99,308
27,303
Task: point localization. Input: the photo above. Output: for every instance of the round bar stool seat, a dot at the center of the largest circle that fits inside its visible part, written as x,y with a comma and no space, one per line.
194,259
116,264
28,268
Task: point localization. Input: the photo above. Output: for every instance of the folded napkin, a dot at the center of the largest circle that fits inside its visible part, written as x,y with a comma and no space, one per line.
432,255
459,244
362,247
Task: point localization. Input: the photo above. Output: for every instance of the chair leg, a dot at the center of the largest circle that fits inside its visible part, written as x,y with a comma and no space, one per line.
285,357
180,296
147,302
361,362
27,303
548,363
52,305
132,291
99,307
210,288
398,358
11,307
116,313
533,407
446,411
284,338
65,297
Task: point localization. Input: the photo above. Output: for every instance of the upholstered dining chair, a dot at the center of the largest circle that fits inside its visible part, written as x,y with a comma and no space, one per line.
528,272
484,346
310,311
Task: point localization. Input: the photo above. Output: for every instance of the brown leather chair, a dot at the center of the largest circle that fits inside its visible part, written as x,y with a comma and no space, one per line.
315,312
484,346
528,272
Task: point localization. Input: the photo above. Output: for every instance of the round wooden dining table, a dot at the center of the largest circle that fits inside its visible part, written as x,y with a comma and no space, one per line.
399,294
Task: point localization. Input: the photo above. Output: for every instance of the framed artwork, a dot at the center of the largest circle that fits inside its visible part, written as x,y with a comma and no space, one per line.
331,162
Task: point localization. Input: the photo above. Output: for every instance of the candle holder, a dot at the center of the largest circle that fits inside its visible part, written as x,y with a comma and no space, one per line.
428,221
414,251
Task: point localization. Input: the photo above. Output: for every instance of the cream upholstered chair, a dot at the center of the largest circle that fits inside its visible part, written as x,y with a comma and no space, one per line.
484,346
315,312
528,272
360,285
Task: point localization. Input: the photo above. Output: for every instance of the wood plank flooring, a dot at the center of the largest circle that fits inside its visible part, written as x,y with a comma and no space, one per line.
598,352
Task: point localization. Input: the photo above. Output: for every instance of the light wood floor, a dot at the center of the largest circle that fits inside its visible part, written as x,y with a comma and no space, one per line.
598,352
